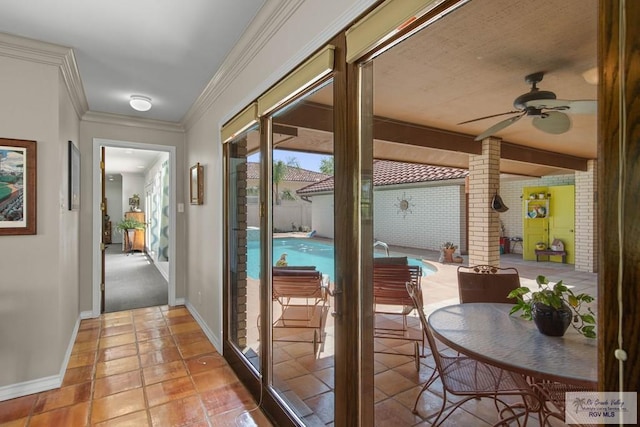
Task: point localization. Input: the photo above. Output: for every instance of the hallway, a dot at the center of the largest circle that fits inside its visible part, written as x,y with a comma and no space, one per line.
150,366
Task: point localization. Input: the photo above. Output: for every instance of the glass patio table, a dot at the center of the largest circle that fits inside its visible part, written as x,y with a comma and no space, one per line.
486,332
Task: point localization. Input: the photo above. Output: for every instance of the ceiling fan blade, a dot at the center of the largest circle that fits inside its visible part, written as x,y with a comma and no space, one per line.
488,117
553,122
582,106
499,126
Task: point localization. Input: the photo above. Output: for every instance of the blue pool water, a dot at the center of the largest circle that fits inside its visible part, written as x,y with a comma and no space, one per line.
305,252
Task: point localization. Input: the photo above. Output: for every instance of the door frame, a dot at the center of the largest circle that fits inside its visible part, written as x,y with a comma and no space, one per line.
97,214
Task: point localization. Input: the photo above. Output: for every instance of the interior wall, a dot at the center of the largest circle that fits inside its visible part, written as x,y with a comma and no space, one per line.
38,307
128,129
307,29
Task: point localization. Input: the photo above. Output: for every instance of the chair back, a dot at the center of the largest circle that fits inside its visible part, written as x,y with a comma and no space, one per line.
389,283
416,299
486,283
297,283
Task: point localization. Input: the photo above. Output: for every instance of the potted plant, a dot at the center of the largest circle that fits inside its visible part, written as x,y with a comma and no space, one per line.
130,224
554,308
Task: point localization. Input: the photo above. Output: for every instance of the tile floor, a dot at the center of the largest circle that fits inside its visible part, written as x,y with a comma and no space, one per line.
155,366
145,367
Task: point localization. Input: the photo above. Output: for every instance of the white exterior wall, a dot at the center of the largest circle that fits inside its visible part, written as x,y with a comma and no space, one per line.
322,215
430,221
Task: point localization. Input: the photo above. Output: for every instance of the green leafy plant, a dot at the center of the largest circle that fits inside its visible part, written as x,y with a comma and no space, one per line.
556,296
129,224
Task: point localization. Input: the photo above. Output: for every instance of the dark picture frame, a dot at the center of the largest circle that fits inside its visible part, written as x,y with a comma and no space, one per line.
74,177
18,187
196,186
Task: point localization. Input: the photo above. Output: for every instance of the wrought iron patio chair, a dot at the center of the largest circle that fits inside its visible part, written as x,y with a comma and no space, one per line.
552,396
469,379
486,283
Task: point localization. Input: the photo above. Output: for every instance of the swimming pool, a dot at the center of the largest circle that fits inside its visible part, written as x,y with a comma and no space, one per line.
307,252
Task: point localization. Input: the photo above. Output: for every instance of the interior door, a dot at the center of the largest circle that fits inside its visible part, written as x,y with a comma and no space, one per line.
562,219
103,210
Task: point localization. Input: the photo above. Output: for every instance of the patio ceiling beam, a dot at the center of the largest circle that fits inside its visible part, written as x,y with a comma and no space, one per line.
319,117
521,153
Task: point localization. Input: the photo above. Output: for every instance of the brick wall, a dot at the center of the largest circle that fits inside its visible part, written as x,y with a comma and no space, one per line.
435,215
586,247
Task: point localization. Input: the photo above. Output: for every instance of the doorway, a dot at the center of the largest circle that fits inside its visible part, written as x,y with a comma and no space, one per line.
139,182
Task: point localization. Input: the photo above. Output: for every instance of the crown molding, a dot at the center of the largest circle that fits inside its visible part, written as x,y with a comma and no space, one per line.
49,54
266,23
270,19
130,121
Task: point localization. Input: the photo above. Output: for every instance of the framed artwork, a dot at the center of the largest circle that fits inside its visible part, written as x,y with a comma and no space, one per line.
74,177
196,190
17,187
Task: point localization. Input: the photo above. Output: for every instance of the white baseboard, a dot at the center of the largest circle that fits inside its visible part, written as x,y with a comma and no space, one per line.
47,383
180,301
212,338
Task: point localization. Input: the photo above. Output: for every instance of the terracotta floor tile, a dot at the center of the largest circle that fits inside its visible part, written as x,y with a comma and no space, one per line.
64,396
226,398
117,405
171,321
195,349
181,412
117,366
19,407
87,324
76,415
162,356
82,347
245,418
166,391
184,327
149,334
112,353
214,378
117,322
190,336
77,376
144,324
163,372
136,419
117,330
391,382
205,362
86,358
117,383
21,422
117,340
156,344
146,311
177,312
88,335
307,386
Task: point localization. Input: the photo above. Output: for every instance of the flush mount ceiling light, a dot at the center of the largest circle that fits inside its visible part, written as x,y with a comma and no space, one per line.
140,103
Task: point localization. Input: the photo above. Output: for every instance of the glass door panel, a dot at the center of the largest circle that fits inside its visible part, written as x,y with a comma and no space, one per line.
303,272
244,245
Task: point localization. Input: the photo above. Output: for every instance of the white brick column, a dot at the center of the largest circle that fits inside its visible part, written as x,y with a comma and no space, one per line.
586,225
484,222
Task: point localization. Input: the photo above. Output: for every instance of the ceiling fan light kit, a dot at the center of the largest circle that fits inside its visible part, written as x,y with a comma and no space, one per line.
549,113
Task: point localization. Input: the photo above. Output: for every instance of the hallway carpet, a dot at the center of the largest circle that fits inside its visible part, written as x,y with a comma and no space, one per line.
132,281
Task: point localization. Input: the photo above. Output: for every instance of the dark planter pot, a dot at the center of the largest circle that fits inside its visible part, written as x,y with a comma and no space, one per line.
551,321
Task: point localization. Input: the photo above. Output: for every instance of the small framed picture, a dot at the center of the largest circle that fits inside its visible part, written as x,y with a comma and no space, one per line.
196,186
17,187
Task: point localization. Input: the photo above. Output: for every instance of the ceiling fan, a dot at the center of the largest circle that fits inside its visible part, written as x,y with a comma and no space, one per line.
549,114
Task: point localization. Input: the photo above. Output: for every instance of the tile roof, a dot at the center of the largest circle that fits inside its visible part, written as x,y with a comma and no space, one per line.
386,172
293,174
